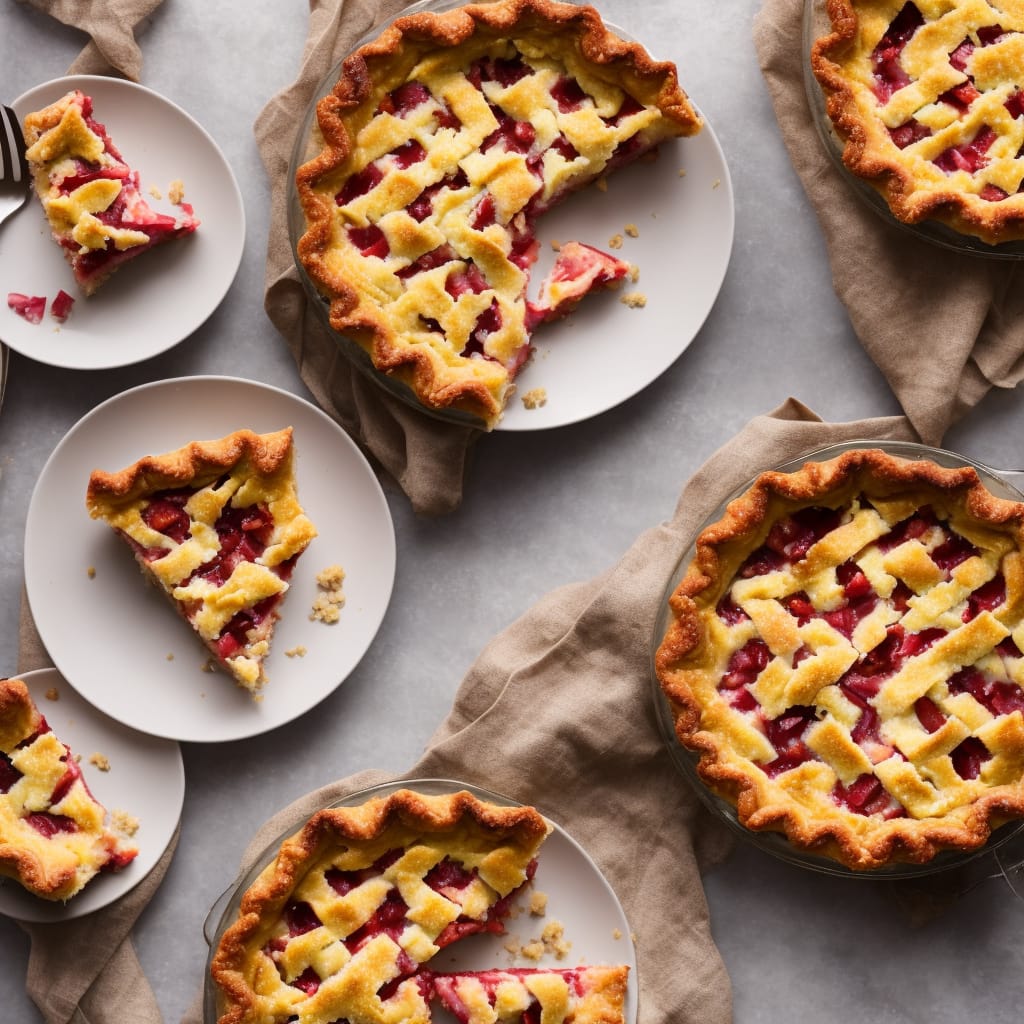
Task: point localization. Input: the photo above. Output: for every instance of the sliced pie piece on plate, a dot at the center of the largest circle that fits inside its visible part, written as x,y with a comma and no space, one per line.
91,197
217,525
443,142
55,837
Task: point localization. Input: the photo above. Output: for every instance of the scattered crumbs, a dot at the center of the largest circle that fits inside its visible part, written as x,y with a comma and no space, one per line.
532,950
632,230
91,572
328,604
209,665
535,398
100,761
682,172
634,273
616,933
635,300
53,693
633,938
512,947
538,903
556,245
170,656
176,191
296,652
155,192
123,822
601,184
615,242
552,941
718,181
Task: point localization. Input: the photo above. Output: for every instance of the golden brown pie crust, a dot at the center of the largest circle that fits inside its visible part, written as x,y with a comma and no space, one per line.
59,866
914,188
877,492
499,841
369,302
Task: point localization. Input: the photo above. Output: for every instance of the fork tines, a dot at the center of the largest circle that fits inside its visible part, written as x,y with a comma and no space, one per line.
13,164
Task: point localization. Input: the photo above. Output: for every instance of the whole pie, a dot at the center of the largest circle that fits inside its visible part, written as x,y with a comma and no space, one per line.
55,836
343,924
91,197
844,654
217,525
928,100
443,142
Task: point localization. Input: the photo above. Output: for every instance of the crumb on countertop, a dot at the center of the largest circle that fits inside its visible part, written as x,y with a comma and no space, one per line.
100,761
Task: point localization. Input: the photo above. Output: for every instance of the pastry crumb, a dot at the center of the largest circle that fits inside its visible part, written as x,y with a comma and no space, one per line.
328,604
176,191
615,242
170,656
556,245
634,273
91,572
296,652
635,300
532,950
100,761
124,823
538,903
552,942
718,181
53,693
535,398
682,172
155,192
632,230
616,933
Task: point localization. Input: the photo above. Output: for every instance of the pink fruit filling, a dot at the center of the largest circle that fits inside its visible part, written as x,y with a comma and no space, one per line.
887,70
446,987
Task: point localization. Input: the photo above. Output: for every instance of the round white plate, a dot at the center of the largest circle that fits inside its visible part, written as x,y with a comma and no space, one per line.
604,352
579,897
156,301
146,779
116,638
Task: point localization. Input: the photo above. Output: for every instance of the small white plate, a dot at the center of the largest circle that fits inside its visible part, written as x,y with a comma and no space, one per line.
579,897
152,303
605,352
146,779
118,641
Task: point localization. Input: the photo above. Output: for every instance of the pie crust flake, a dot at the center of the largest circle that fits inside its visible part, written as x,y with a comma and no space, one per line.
55,837
90,195
844,656
344,922
218,527
443,142
928,101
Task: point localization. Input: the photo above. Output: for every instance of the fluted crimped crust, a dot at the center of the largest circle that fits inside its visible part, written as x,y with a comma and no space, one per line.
365,294
499,842
913,186
59,866
693,662
241,470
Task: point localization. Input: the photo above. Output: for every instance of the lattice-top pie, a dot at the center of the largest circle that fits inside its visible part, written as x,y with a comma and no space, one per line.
927,98
844,654
217,525
91,197
444,140
342,924
55,836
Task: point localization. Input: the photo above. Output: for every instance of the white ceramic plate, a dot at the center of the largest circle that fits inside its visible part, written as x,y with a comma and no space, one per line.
156,301
605,352
578,894
117,640
146,779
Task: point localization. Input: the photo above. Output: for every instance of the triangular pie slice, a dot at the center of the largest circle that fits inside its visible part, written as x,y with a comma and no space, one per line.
443,142
91,197
217,525
532,995
55,836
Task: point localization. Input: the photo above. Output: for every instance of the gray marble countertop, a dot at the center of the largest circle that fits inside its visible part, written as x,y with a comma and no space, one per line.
798,946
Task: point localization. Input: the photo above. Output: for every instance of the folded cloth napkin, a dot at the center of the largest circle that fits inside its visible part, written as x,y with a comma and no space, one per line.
943,326
111,25
426,456
558,711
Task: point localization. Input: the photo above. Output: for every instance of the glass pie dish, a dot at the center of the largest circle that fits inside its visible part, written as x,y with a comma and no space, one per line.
686,761
815,25
578,895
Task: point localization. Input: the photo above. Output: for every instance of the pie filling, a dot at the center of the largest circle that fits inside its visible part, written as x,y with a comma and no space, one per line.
91,197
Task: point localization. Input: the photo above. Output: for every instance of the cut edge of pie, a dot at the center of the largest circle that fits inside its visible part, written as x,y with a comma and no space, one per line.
498,843
356,266
55,836
91,198
695,669
871,152
218,527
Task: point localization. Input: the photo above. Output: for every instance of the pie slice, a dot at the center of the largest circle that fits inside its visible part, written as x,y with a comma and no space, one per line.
529,995
55,836
217,525
443,142
845,657
91,197
339,924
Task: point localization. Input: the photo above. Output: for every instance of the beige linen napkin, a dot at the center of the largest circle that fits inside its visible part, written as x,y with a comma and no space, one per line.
427,457
944,327
111,25
558,711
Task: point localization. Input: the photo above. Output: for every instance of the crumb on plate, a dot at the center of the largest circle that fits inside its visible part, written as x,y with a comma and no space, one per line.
535,398
100,761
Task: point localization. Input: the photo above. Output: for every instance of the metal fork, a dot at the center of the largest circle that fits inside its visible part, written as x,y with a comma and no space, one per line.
14,177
